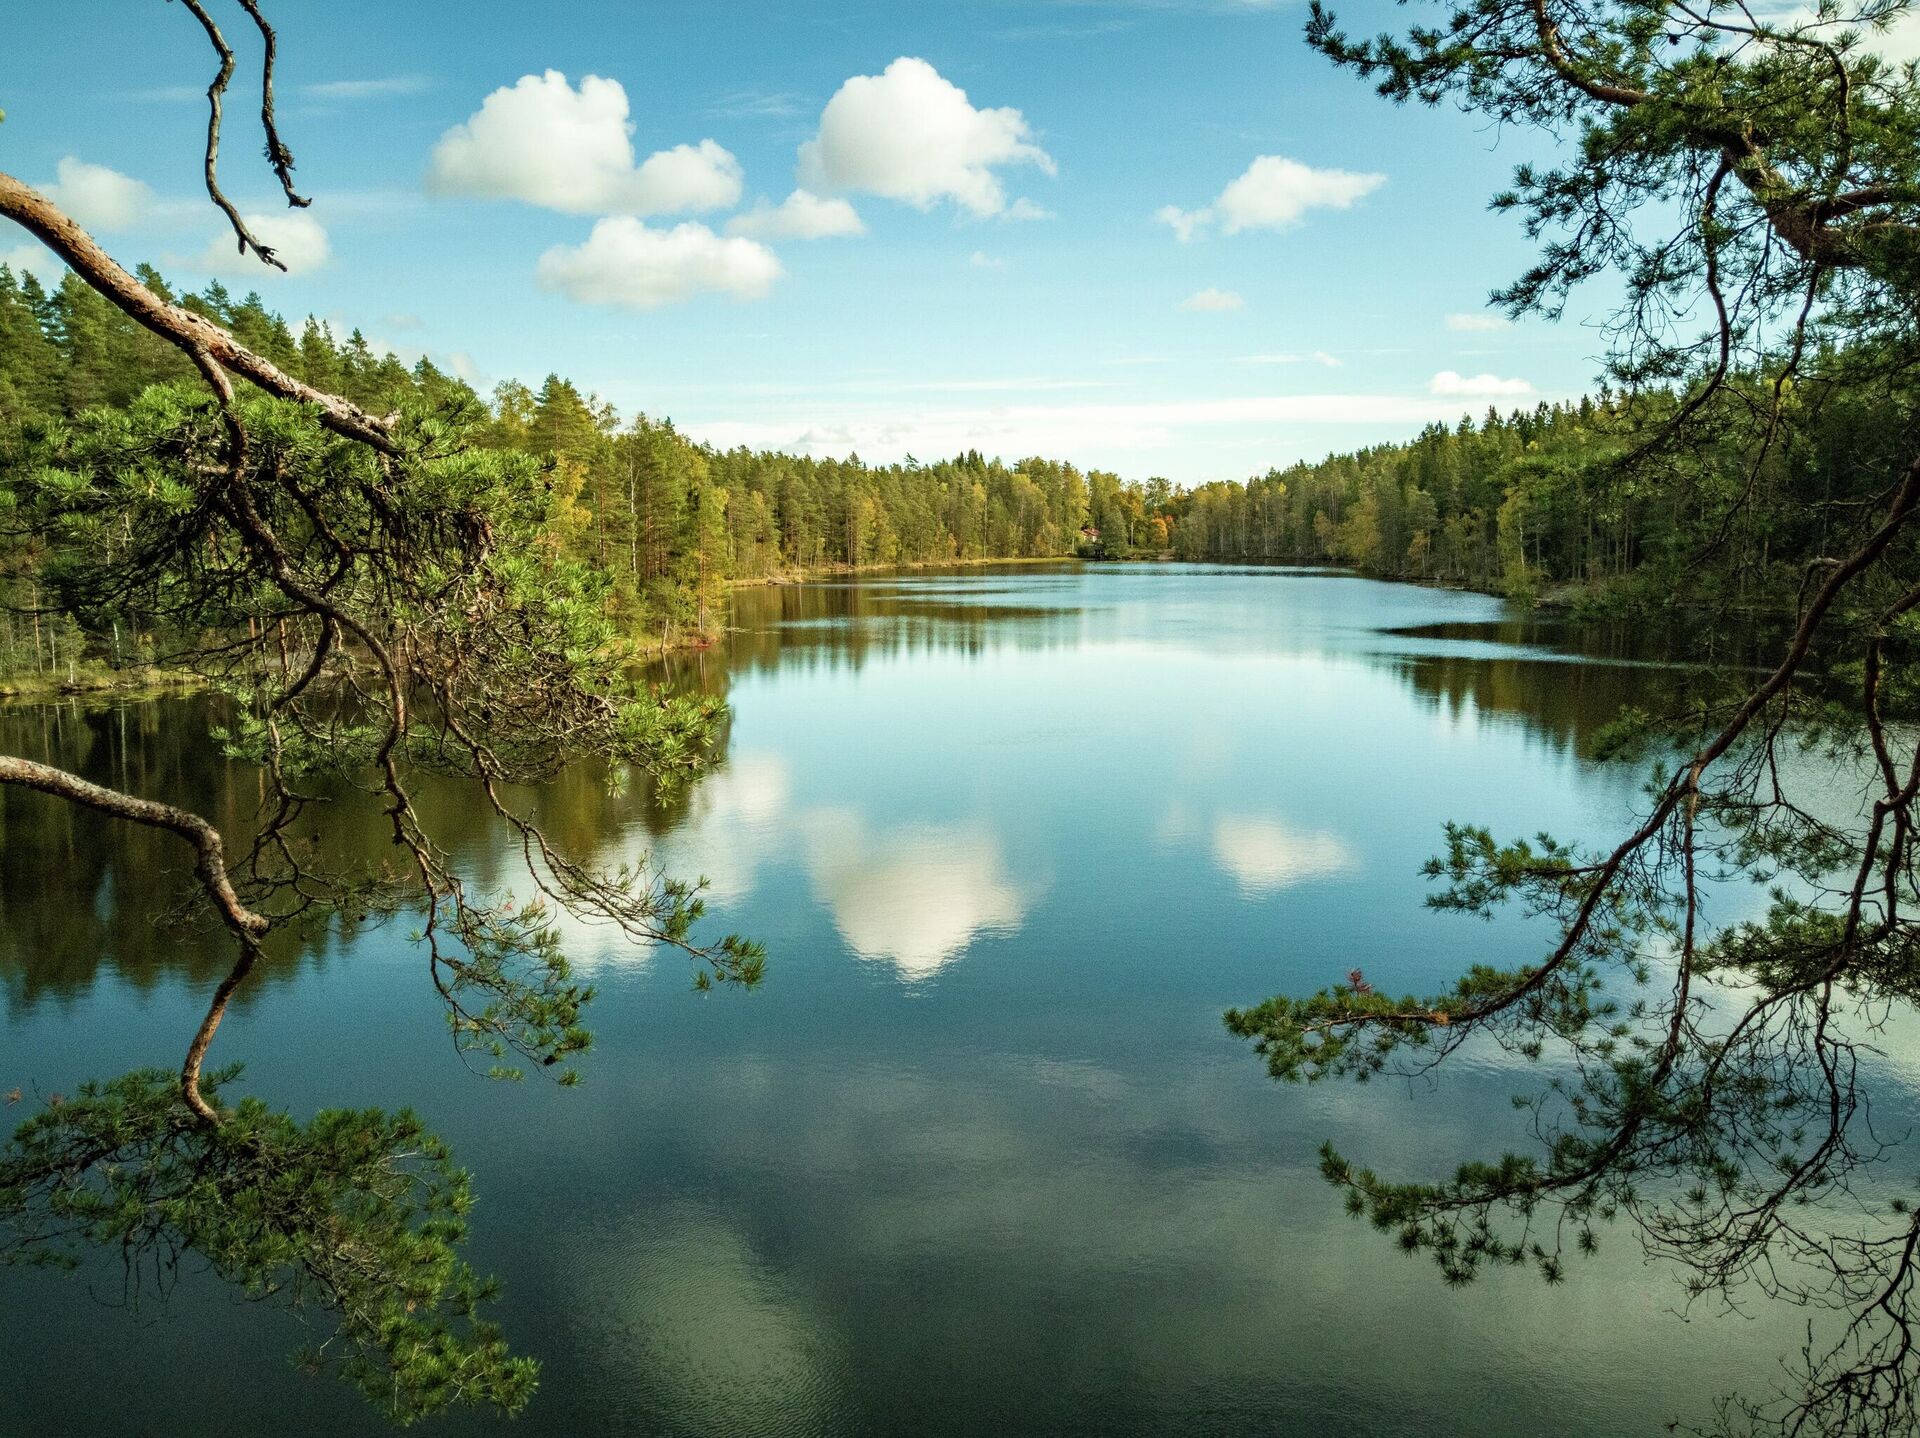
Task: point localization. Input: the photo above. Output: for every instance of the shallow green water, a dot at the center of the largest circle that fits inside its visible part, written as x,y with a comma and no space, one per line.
979,1157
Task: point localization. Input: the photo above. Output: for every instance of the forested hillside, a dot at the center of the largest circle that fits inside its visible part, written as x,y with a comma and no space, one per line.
1527,503
667,521
1540,499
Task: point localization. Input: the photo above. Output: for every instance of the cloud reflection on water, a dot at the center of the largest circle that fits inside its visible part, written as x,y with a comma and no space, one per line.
916,895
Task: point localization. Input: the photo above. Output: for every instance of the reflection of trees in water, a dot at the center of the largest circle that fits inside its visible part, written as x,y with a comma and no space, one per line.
846,625
1607,667
79,891
1565,703
82,895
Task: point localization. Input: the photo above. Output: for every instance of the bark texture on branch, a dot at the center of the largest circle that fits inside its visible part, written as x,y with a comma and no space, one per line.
179,327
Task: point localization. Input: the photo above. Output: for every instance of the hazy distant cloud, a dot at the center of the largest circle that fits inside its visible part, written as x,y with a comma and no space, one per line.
98,198
1319,357
764,104
1095,430
803,215
298,241
541,141
1479,386
1478,322
1213,301
909,134
34,259
1186,224
1896,43
1275,193
624,263
981,260
168,94
377,89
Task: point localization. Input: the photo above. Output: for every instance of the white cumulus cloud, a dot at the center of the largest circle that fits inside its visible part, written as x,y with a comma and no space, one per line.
297,239
541,141
627,264
687,178
803,215
1476,323
1275,193
910,134
1213,301
1476,386
98,198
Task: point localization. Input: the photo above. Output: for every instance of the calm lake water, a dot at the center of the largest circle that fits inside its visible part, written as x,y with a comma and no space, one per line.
979,1156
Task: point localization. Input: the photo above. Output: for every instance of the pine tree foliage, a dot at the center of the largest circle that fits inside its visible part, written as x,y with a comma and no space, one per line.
1750,182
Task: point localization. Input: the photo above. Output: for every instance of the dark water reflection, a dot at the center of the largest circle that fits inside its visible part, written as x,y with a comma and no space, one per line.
979,1157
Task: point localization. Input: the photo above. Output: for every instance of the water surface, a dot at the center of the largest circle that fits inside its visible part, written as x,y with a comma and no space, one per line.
979,1157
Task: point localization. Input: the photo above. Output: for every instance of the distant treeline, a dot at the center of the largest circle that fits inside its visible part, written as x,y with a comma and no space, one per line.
1732,507
1514,503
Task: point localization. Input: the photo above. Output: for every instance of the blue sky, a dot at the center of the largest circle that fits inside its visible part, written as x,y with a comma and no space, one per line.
1019,284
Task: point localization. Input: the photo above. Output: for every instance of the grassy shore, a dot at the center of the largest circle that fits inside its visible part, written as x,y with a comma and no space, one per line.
97,679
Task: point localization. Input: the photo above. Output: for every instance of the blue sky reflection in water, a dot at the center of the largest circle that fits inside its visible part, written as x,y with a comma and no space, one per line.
979,1157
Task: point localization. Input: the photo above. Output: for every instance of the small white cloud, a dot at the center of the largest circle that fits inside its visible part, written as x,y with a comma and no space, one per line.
98,198
1478,386
1275,193
1187,224
297,240
803,215
1321,357
625,263
545,143
910,134
1473,324
981,260
1213,301
1024,209
685,180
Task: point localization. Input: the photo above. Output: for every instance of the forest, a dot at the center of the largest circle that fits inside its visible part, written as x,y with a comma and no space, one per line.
1554,502
667,522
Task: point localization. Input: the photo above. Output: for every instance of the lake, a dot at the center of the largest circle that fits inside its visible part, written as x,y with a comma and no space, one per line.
979,1156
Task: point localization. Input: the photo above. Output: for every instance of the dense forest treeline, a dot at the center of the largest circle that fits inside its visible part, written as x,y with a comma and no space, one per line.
1544,499
1521,503
668,521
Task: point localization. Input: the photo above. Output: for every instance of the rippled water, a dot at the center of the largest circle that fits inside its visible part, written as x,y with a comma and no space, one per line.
979,1157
